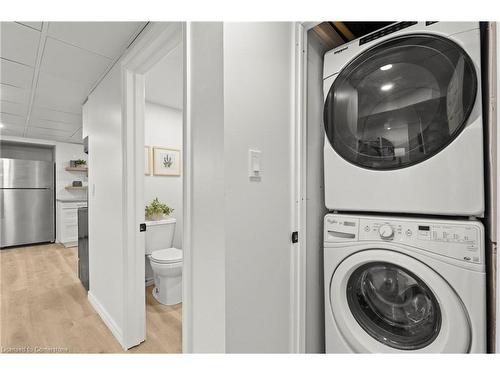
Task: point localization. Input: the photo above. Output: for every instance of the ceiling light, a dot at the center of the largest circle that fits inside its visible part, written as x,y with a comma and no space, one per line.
387,87
1,125
386,67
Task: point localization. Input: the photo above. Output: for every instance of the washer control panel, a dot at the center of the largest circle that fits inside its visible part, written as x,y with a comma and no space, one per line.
457,239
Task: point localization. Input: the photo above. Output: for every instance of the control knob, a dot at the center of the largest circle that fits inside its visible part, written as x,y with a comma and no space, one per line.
386,232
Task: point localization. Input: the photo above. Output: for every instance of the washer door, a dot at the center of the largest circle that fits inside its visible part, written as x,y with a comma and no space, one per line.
400,102
385,301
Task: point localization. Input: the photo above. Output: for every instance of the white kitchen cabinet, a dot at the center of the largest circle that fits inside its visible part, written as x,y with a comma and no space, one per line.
67,222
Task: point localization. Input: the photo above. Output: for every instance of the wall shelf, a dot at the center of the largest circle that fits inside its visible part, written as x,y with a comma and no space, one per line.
76,187
77,169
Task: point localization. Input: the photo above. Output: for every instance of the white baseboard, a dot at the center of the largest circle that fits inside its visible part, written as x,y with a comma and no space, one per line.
106,318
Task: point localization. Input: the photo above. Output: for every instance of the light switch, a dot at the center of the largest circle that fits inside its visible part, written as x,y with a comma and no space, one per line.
254,165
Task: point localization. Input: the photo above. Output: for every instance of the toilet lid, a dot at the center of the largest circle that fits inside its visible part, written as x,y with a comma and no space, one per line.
171,255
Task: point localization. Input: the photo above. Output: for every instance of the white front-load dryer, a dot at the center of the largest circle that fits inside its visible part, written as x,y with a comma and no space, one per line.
403,121
404,285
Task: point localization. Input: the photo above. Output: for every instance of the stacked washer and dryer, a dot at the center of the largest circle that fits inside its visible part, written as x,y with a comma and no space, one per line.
404,250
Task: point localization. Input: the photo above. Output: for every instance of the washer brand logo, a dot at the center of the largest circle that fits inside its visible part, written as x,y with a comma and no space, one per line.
340,50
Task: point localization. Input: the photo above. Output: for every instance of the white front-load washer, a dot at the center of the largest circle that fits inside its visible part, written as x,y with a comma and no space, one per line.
403,121
404,285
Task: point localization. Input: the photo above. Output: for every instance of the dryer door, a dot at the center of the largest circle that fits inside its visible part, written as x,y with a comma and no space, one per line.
400,102
385,301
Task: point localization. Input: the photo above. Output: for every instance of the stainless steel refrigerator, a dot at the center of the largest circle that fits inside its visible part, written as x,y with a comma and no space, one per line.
26,202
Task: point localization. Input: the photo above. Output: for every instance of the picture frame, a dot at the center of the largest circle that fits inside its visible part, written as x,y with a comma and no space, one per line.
147,161
166,161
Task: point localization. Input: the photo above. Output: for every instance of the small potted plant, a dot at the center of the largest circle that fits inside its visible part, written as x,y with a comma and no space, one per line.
80,163
157,210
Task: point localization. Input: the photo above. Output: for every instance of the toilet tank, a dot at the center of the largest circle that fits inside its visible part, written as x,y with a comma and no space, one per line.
159,234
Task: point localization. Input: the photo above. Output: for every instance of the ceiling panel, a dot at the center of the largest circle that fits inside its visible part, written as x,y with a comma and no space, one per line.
77,137
72,63
104,38
19,43
34,25
53,125
15,74
60,94
13,108
14,94
7,118
164,82
15,131
37,132
58,116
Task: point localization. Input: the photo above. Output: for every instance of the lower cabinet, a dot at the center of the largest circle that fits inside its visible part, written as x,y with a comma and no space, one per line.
67,222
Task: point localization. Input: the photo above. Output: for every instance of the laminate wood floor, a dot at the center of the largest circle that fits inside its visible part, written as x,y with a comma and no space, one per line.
44,308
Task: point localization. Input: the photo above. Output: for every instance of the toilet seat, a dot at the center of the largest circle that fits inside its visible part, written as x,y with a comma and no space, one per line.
167,256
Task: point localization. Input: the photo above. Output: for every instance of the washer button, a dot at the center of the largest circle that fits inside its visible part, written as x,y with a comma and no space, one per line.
367,228
409,232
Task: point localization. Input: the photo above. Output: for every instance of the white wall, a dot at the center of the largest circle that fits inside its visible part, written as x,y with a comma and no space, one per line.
315,315
204,145
163,127
258,110
103,125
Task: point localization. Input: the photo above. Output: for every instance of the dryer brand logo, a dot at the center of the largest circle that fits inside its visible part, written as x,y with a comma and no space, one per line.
340,50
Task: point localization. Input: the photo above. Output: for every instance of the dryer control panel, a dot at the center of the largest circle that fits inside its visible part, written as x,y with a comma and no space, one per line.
462,240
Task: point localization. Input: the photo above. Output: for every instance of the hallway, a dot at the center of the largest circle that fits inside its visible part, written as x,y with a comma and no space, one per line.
44,308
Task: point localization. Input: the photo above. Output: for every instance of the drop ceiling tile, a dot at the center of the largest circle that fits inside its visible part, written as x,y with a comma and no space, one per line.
104,38
42,132
14,108
53,125
14,94
60,94
19,43
33,25
72,63
15,131
78,135
57,116
15,74
10,119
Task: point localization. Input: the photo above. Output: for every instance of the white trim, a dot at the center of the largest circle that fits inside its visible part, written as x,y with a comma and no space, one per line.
298,259
106,318
299,264
187,182
156,42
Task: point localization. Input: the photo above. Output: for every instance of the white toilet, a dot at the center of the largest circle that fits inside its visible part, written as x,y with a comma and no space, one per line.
165,260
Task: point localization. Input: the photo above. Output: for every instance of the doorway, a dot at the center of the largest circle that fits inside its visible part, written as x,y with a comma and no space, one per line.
153,95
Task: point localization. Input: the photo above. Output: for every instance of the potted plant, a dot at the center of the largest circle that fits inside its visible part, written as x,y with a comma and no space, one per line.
80,163
157,210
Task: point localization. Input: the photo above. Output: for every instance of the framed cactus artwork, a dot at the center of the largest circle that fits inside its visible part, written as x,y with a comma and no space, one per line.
166,161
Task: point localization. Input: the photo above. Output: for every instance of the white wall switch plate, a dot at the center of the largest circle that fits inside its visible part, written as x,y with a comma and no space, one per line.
254,165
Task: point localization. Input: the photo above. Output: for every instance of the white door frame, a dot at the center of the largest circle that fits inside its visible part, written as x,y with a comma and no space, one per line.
156,41
299,176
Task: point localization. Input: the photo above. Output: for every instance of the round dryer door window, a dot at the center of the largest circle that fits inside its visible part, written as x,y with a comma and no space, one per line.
400,102
393,305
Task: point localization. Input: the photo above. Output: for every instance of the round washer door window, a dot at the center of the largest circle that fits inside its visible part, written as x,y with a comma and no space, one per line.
393,306
400,102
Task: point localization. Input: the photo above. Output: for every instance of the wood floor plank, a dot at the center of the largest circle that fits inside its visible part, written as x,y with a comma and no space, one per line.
44,307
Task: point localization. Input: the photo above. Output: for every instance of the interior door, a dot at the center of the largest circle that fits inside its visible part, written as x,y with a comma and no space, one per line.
400,102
